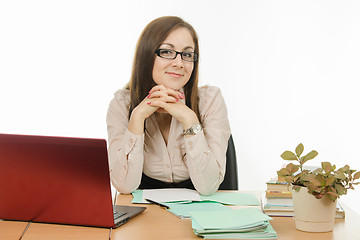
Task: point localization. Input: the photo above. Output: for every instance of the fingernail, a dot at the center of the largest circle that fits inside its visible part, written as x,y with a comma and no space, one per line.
176,100
149,96
148,103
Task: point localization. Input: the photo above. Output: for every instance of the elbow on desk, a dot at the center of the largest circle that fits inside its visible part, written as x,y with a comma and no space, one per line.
206,190
123,188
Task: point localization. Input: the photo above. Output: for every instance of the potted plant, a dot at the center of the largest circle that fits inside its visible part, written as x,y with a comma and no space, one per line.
315,192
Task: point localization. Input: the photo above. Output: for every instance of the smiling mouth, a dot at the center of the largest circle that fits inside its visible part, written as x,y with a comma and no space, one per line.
176,75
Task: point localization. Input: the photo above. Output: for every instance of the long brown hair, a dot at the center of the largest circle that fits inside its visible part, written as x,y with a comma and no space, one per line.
151,38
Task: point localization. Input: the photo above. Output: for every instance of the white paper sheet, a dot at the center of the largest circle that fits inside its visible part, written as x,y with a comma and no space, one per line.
170,195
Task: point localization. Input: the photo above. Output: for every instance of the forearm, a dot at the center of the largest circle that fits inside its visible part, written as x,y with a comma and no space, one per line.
126,163
136,122
205,165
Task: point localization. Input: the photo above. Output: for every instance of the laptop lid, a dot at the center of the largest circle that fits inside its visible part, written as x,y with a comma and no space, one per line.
56,180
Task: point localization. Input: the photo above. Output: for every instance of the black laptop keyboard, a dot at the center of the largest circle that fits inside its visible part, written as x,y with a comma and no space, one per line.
118,214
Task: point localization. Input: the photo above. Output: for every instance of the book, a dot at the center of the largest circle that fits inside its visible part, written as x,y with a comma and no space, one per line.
288,211
276,184
278,194
279,202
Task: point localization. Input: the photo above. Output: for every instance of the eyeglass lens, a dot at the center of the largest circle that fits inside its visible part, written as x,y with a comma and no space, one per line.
172,54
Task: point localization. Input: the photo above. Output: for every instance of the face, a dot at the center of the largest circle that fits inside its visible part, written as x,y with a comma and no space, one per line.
174,73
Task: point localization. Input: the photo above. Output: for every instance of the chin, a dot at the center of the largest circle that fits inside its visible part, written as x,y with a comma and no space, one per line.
175,85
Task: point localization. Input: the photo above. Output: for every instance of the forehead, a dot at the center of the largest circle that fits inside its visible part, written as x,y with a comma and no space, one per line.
180,38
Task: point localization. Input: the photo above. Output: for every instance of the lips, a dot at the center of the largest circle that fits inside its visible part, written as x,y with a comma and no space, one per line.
175,75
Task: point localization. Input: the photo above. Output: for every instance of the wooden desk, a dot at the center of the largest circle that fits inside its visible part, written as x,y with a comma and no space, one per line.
157,223
11,230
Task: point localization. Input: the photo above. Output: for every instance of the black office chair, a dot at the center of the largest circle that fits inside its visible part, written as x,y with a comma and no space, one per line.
231,178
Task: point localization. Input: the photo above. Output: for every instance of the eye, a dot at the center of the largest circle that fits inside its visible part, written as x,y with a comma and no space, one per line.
166,52
188,54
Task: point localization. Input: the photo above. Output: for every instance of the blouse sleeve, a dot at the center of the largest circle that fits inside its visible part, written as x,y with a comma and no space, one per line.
206,151
125,148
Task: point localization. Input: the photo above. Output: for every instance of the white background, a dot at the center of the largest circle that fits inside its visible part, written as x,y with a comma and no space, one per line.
289,72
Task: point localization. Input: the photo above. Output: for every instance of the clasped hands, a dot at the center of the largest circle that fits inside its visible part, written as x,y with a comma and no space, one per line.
167,100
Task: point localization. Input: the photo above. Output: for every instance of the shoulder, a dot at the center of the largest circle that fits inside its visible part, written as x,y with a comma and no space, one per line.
120,101
207,94
211,101
122,95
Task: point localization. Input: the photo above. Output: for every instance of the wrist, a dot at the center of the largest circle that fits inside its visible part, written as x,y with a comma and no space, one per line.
189,120
136,123
193,130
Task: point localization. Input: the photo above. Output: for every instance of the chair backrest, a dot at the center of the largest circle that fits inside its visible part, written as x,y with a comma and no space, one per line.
231,178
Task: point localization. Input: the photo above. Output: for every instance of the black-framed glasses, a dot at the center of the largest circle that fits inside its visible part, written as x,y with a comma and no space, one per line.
172,54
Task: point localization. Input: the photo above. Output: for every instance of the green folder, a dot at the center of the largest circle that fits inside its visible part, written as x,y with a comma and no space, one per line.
183,210
247,223
232,198
236,218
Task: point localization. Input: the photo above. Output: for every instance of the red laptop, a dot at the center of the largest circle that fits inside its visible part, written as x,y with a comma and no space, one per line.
58,180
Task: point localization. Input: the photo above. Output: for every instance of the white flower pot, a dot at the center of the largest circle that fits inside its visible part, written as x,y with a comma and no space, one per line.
311,214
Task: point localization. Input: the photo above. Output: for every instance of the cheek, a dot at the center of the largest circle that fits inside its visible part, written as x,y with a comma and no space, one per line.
156,72
189,69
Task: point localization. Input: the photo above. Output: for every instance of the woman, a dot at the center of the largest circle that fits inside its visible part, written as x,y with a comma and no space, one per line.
163,130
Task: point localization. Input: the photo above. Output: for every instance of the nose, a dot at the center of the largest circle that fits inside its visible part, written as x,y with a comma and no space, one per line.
177,61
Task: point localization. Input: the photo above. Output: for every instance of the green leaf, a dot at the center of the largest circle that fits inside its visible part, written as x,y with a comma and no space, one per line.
319,180
299,149
309,156
329,181
289,179
283,172
340,175
326,166
340,189
308,178
318,170
331,194
346,168
357,175
292,168
288,155
334,167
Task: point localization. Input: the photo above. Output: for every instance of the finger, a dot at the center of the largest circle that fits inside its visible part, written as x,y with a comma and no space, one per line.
158,104
161,92
167,99
157,94
157,88
175,94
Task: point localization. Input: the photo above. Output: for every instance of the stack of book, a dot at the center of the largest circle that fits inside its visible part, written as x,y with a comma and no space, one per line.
278,200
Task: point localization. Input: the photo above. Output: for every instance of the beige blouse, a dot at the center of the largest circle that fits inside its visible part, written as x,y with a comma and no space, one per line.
201,157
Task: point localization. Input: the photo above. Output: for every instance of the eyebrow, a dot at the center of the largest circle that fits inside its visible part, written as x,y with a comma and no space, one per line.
172,46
